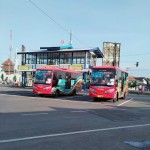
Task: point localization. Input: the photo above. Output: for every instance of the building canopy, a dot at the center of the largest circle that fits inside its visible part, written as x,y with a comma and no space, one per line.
95,51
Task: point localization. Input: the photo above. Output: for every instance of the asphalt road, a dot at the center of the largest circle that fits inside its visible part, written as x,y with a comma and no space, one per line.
30,122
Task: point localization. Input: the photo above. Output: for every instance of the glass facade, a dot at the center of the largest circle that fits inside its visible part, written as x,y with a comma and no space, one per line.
41,58
57,58
30,59
66,58
79,57
53,59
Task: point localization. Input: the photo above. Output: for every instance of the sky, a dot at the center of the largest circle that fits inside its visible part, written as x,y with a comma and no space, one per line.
91,22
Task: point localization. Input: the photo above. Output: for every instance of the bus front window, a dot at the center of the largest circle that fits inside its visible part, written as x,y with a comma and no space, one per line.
43,77
102,77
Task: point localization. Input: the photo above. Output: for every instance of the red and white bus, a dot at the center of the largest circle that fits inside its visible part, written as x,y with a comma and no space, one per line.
56,81
108,82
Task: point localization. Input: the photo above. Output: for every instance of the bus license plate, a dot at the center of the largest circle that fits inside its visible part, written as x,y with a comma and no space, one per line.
99,95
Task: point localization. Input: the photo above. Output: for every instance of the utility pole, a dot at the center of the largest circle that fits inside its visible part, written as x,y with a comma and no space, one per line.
114,54
23,50
10,47
23,62
70,42
16,62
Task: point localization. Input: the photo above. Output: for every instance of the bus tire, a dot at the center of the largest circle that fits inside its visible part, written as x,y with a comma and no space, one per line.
74,93
95,99
41,95
116,98
56,93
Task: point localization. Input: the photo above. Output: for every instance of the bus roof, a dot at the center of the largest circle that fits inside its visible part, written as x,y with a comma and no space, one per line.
108,67
58,69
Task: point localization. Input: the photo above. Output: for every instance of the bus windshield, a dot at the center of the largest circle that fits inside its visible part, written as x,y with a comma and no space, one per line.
43,77
103,77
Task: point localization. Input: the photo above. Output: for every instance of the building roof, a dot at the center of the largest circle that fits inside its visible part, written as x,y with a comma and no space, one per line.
8,62
8,66
96,51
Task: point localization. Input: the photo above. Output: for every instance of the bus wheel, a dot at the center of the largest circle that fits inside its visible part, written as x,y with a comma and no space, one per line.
95,99
56,93
116,98
41,95
74,93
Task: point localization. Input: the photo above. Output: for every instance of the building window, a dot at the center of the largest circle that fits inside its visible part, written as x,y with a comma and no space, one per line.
53,58
78,60
65,58
30,59
74,60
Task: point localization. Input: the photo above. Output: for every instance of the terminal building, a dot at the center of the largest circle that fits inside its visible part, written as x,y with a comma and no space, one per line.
64,57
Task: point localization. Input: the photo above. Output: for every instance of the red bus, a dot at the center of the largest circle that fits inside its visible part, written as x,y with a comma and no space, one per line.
108,82
56,81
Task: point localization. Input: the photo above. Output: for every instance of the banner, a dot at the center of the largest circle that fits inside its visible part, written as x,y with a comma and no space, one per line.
23,67
76,66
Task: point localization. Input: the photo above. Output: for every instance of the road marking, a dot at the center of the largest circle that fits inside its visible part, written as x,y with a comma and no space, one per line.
71,133
34,114
115,109
125,102
78,111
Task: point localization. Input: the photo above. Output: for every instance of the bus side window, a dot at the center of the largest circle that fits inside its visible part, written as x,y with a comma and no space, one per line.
73,82
59,80
60,76
68,81
55,80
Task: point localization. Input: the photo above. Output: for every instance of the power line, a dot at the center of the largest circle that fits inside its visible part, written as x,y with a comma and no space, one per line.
49,16
139,70
58,24
136,54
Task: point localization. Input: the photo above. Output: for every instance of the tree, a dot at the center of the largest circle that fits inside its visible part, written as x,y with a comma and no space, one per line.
14,78
132,84
2,77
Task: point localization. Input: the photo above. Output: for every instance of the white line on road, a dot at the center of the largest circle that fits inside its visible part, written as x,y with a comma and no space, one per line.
34,114
115,109
125,102
71,133
78,111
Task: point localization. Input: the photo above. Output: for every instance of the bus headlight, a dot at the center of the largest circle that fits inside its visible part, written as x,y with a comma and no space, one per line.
109,91
92,90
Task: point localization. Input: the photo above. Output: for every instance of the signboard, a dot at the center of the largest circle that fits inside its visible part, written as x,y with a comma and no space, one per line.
76,66
111,52
23,67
